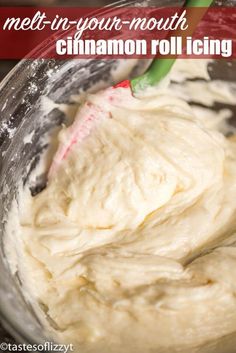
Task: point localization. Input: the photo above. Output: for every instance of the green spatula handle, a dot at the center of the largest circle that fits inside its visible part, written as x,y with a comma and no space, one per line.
161,67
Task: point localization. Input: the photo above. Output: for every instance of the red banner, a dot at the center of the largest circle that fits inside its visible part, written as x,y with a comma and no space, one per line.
117,32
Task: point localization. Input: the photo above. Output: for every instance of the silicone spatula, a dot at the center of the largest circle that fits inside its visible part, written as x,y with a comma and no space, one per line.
89,115
160,67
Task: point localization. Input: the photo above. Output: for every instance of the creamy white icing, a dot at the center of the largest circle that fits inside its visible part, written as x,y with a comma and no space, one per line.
130,246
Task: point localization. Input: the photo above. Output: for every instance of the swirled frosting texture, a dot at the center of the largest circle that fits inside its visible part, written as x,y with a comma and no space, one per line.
130,246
